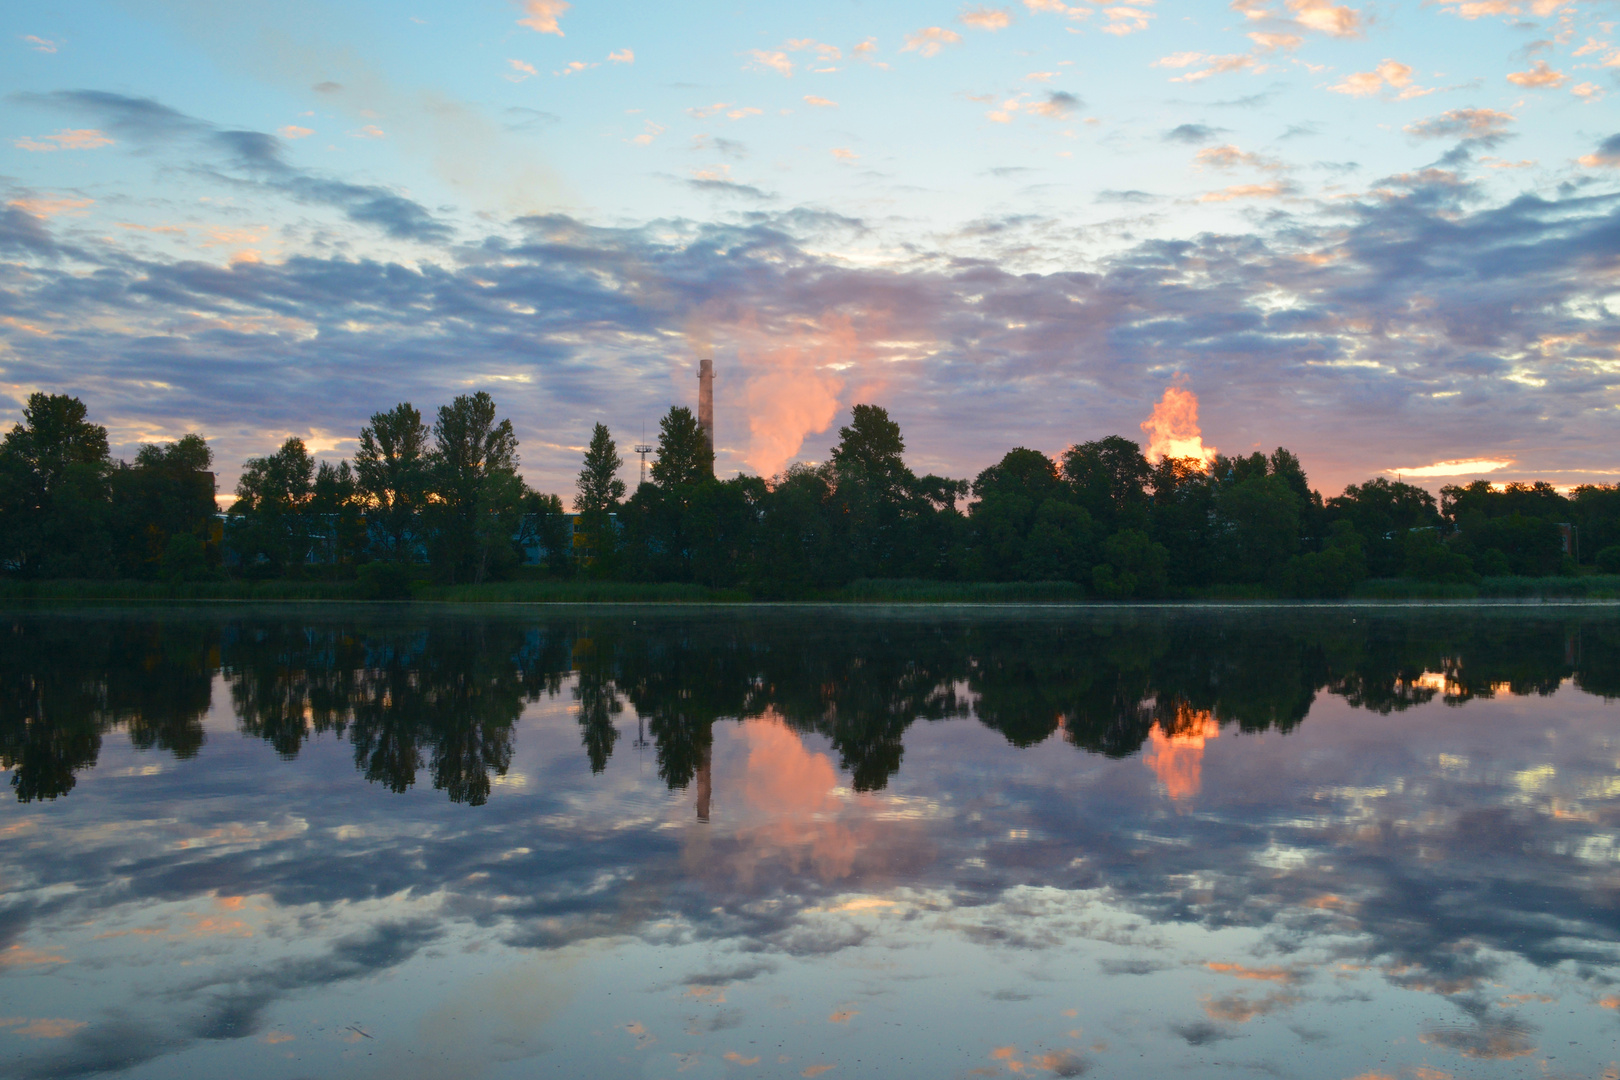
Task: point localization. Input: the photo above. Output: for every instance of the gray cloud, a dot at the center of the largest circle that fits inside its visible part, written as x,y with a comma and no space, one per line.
1419,288
1193,133
148,124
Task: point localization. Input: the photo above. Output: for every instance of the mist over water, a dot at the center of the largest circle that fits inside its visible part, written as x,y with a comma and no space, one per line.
1314,842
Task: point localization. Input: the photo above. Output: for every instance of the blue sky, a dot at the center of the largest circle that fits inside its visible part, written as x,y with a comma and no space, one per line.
1384,235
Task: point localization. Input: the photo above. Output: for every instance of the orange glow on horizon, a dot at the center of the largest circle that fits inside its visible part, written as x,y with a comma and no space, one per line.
1173,430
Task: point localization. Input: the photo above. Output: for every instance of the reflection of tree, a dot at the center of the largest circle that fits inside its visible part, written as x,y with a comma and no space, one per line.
64,682
447,694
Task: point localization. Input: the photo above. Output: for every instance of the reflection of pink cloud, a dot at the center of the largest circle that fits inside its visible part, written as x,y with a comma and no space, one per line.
40,1029
18,956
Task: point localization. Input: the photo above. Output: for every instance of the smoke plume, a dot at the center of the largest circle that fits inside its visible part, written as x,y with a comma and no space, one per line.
1172,430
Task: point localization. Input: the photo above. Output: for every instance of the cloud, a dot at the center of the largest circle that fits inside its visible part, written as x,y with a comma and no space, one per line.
541,15
986,18
67,139
844,153
1462,467
1486,126
1192,133
39,44
1391,74
773,61
293,131
1588,91
49,208
622,56
1325,17
1273,190
1124,20
1607,154
254,155
520,70
1265,42
1208,65
1539,77
930,40
573,67
720,183
820,102
369,131
1077,11
1057,105
1230,157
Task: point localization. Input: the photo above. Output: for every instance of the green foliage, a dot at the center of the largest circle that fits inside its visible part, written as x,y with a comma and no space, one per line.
268,530
1133,567
1330,573
473,466
1258,520
1429,559
185,558
54,497
684,457
1608,559
392,478
598,496
384,581
1110,478
1025,526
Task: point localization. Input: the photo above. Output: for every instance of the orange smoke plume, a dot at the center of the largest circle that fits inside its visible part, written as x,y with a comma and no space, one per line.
794,386
1172,430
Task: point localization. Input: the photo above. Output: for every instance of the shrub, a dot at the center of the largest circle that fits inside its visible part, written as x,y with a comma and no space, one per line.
385,581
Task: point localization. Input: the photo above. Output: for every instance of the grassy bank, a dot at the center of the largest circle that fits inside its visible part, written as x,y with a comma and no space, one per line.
581,591
1586,587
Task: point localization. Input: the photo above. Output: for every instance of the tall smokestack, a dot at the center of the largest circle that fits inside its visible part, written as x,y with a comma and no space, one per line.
706,400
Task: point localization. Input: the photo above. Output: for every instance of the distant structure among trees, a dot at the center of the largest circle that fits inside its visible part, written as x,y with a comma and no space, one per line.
446,500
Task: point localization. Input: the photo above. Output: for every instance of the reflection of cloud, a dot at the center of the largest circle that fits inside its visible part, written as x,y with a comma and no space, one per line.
1240,1009
1486,1040
1265,974
39,1029
1200,1033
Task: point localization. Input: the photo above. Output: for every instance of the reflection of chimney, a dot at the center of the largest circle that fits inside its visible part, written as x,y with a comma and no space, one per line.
706,400
705,784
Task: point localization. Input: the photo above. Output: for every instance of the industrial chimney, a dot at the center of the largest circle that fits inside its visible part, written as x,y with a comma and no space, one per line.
706,400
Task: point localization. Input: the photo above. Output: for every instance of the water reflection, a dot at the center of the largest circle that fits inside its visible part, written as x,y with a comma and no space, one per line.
1314,844
446,693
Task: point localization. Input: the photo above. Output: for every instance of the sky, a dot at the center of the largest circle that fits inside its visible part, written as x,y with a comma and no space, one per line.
1384,235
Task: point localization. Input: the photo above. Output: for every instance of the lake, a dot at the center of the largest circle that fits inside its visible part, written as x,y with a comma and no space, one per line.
405,842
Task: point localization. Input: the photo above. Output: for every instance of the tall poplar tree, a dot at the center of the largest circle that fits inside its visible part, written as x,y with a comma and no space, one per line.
600,490
391,470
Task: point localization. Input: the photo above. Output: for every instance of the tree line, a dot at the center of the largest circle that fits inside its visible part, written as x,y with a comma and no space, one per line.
447,500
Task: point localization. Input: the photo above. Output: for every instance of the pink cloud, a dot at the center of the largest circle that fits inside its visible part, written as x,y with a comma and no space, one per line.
987,18
1539,77
930,40
67,139
775,61
542,15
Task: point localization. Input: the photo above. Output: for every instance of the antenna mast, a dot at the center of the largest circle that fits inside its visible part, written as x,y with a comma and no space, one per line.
643,449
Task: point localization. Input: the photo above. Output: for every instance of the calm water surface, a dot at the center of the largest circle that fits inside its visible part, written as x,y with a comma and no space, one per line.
390,843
